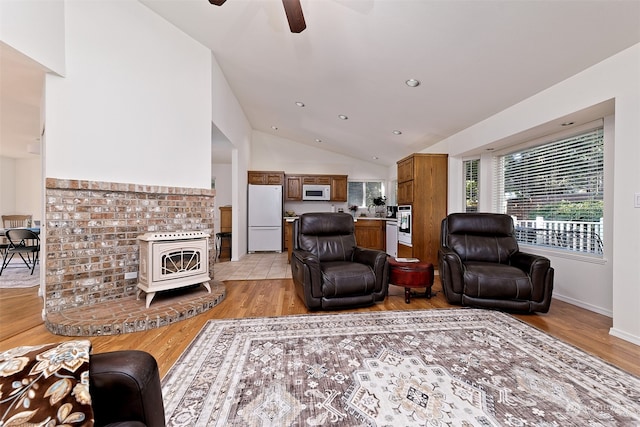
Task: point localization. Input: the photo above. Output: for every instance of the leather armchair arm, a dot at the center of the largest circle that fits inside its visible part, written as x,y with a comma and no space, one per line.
451,274
375,259
536,266
305,268
125,389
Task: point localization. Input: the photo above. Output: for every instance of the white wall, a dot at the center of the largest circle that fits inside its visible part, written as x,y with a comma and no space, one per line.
269,152
135,105
224,183
583,282
35,28
7,186
228,117
28,185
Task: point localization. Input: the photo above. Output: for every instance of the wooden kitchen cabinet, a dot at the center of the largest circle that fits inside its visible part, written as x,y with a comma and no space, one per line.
422,183
339,188
266,178
288,238
225,219
404,194
405,169
293,187
370,233
316,179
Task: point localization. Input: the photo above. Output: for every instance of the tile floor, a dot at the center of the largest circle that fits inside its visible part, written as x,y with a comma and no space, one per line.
254,267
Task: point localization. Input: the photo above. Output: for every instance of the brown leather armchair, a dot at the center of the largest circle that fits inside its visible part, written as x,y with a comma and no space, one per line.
125,389
481,265
329,270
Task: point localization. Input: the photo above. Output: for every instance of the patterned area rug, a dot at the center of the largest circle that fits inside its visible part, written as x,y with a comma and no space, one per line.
449,367
17,275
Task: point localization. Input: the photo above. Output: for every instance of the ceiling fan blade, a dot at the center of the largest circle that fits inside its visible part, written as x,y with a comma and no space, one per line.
293,9
217,2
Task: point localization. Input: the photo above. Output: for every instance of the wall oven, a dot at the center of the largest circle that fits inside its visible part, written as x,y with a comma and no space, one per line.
404,225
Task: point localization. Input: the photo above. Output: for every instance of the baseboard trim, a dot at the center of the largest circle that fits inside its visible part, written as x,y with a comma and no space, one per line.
625,336
582,304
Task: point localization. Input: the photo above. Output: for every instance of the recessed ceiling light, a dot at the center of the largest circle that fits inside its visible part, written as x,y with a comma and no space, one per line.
300,104
412,83
375,157
567,123
274,127
318,140
342,117
397,132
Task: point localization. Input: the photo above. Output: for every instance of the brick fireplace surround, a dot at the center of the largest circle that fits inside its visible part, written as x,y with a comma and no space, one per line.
90,237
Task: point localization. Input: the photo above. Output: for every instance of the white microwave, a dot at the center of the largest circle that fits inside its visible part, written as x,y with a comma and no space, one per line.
316,192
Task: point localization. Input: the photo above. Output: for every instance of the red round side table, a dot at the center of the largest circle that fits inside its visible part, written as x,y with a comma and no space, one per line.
411,275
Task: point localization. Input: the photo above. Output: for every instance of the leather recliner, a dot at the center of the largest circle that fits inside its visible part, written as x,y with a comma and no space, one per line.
481,265
329,270
125,389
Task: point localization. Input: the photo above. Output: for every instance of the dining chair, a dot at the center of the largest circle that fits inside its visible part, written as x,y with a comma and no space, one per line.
26,244
12,221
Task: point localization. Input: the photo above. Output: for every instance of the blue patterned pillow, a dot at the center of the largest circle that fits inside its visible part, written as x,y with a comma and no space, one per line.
46,385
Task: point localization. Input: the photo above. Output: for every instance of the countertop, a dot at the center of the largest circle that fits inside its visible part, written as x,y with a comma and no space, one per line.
360,218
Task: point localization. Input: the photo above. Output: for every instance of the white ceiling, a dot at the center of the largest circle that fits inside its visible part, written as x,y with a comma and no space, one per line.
473,58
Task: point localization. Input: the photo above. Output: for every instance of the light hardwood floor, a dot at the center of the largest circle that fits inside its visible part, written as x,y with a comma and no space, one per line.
20,322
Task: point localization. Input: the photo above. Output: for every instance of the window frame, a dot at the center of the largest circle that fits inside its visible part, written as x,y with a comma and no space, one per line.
364,182
465,195
498,190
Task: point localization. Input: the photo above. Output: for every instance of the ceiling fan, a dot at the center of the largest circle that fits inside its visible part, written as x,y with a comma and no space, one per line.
292,8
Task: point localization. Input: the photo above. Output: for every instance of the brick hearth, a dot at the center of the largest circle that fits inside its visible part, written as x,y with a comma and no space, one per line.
90,240
129,314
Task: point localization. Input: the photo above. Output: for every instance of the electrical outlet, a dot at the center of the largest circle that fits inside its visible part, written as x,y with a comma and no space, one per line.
131,275
637,201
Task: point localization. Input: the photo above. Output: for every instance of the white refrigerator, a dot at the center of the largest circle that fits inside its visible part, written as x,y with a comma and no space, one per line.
265,218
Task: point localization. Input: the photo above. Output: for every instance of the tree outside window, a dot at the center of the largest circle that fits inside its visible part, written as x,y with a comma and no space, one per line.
362,193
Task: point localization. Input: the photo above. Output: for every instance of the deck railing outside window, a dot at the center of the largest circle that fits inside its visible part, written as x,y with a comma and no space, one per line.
577,236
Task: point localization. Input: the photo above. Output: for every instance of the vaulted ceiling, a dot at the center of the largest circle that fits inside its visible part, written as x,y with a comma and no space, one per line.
472,58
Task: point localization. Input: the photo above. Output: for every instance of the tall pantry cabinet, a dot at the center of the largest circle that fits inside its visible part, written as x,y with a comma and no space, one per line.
422,183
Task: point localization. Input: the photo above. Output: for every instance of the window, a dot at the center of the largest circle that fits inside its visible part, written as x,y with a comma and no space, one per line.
362,193
555,192
471,185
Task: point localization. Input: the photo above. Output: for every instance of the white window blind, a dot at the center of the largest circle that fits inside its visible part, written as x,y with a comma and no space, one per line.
471,185
555,192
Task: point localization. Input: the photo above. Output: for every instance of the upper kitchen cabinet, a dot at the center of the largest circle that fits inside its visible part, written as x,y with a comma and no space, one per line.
405,169
339,188
316,179
266,178
294,184
293,188
422,183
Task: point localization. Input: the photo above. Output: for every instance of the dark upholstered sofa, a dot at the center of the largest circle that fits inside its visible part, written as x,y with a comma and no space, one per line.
481,265
329,270
64,384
